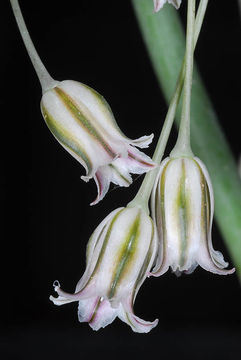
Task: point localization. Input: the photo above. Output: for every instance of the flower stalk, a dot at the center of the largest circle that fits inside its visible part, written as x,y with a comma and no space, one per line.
144,192
183,147
46,81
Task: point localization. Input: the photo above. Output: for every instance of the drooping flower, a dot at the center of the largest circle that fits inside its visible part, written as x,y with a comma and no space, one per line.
182,206
119,255
82,122
158,4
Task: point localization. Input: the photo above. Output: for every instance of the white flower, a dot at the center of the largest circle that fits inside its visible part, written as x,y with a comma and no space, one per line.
120,254
82,122
182,207
158,4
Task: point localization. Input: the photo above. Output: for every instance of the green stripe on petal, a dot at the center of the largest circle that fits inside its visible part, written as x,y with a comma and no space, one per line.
66,138
205,211
82,119
106,109
95,310
90,249
127,253
105,242
182,206
160,208
205,206
143,272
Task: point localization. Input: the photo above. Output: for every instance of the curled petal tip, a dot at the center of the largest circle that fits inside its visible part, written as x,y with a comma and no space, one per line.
55,300
142,326
85,178
157,274
228,272
219,271
102,180
56,284
143,142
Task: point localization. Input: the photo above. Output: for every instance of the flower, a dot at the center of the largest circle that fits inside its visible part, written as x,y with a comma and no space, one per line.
82,122
158,4
119,256
182,206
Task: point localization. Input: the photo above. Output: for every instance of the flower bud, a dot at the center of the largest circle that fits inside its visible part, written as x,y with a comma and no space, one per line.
158,4
82,122
182,207
120,254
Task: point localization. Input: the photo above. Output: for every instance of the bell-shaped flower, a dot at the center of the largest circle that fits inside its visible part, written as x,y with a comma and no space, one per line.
182,206
119,254
82,122
158,4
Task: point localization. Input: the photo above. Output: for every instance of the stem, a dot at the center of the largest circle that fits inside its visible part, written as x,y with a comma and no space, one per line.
45,79
145,189
163,36
182,147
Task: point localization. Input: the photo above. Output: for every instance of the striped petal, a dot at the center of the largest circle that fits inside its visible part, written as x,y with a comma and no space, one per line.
182,207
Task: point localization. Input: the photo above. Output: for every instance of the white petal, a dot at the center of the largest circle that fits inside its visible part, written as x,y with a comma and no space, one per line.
102,315
158,4
64,297
87,308
175,3
102,179
161,263
60,300
142,142
94,247
125,313
206,262
119,173
138,162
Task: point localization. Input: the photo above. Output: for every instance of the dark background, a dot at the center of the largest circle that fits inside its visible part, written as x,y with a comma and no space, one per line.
46,217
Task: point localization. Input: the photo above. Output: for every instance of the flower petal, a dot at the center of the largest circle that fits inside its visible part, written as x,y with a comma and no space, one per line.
205,260
87,308
162,262
93,249
63,298
102,179
97,312
142,142
138,162
125,313
158,4
118,172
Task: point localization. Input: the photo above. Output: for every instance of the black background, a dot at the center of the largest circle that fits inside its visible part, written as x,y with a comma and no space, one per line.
46,217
